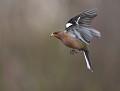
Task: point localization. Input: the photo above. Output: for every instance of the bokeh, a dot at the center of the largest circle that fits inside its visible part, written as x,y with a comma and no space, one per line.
32,61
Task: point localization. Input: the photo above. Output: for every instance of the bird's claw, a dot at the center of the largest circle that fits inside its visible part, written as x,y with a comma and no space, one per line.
72,52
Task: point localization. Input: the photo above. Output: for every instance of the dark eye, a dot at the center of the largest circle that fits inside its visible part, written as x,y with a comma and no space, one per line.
55,33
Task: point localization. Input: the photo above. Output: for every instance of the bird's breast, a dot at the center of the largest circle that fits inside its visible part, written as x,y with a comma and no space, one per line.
72,42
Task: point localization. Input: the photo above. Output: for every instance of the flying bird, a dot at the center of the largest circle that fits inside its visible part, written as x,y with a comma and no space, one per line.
78,33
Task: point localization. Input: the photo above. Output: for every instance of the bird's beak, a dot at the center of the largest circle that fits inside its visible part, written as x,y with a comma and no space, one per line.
52,35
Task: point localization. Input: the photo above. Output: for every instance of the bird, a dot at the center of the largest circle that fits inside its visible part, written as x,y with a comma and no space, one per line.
78,33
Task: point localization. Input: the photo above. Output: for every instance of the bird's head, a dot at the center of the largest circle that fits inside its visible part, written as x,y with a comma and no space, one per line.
57,34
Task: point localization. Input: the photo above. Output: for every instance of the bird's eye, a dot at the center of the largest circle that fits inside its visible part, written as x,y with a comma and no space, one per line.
55,33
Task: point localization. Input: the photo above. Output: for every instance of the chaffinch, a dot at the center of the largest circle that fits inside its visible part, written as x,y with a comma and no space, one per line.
78,33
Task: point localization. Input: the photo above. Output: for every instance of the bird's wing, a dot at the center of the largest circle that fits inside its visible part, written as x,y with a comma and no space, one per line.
81,25
83,19
83,34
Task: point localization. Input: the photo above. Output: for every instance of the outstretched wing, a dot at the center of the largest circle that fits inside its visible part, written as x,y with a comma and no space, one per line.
81,25
83,19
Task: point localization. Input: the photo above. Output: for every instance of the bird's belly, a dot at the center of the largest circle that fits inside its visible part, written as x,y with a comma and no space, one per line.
73,43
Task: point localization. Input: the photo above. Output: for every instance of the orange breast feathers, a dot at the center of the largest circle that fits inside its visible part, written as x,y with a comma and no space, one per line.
72,42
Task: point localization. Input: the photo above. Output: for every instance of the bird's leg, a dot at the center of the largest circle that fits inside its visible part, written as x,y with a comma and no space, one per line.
72,52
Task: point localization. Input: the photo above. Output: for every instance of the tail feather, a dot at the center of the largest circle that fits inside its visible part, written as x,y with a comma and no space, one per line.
87,59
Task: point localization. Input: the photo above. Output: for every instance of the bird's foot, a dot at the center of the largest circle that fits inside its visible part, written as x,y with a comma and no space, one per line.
72,52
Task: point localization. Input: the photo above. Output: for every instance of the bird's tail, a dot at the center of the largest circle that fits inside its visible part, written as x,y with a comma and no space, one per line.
87,59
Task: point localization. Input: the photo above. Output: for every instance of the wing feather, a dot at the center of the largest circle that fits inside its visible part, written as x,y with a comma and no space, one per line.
81,25
84,18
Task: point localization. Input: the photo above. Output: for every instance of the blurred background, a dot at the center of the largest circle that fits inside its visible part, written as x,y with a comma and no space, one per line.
32,61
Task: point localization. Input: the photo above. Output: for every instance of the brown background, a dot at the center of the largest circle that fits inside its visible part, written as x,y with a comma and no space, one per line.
32,61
